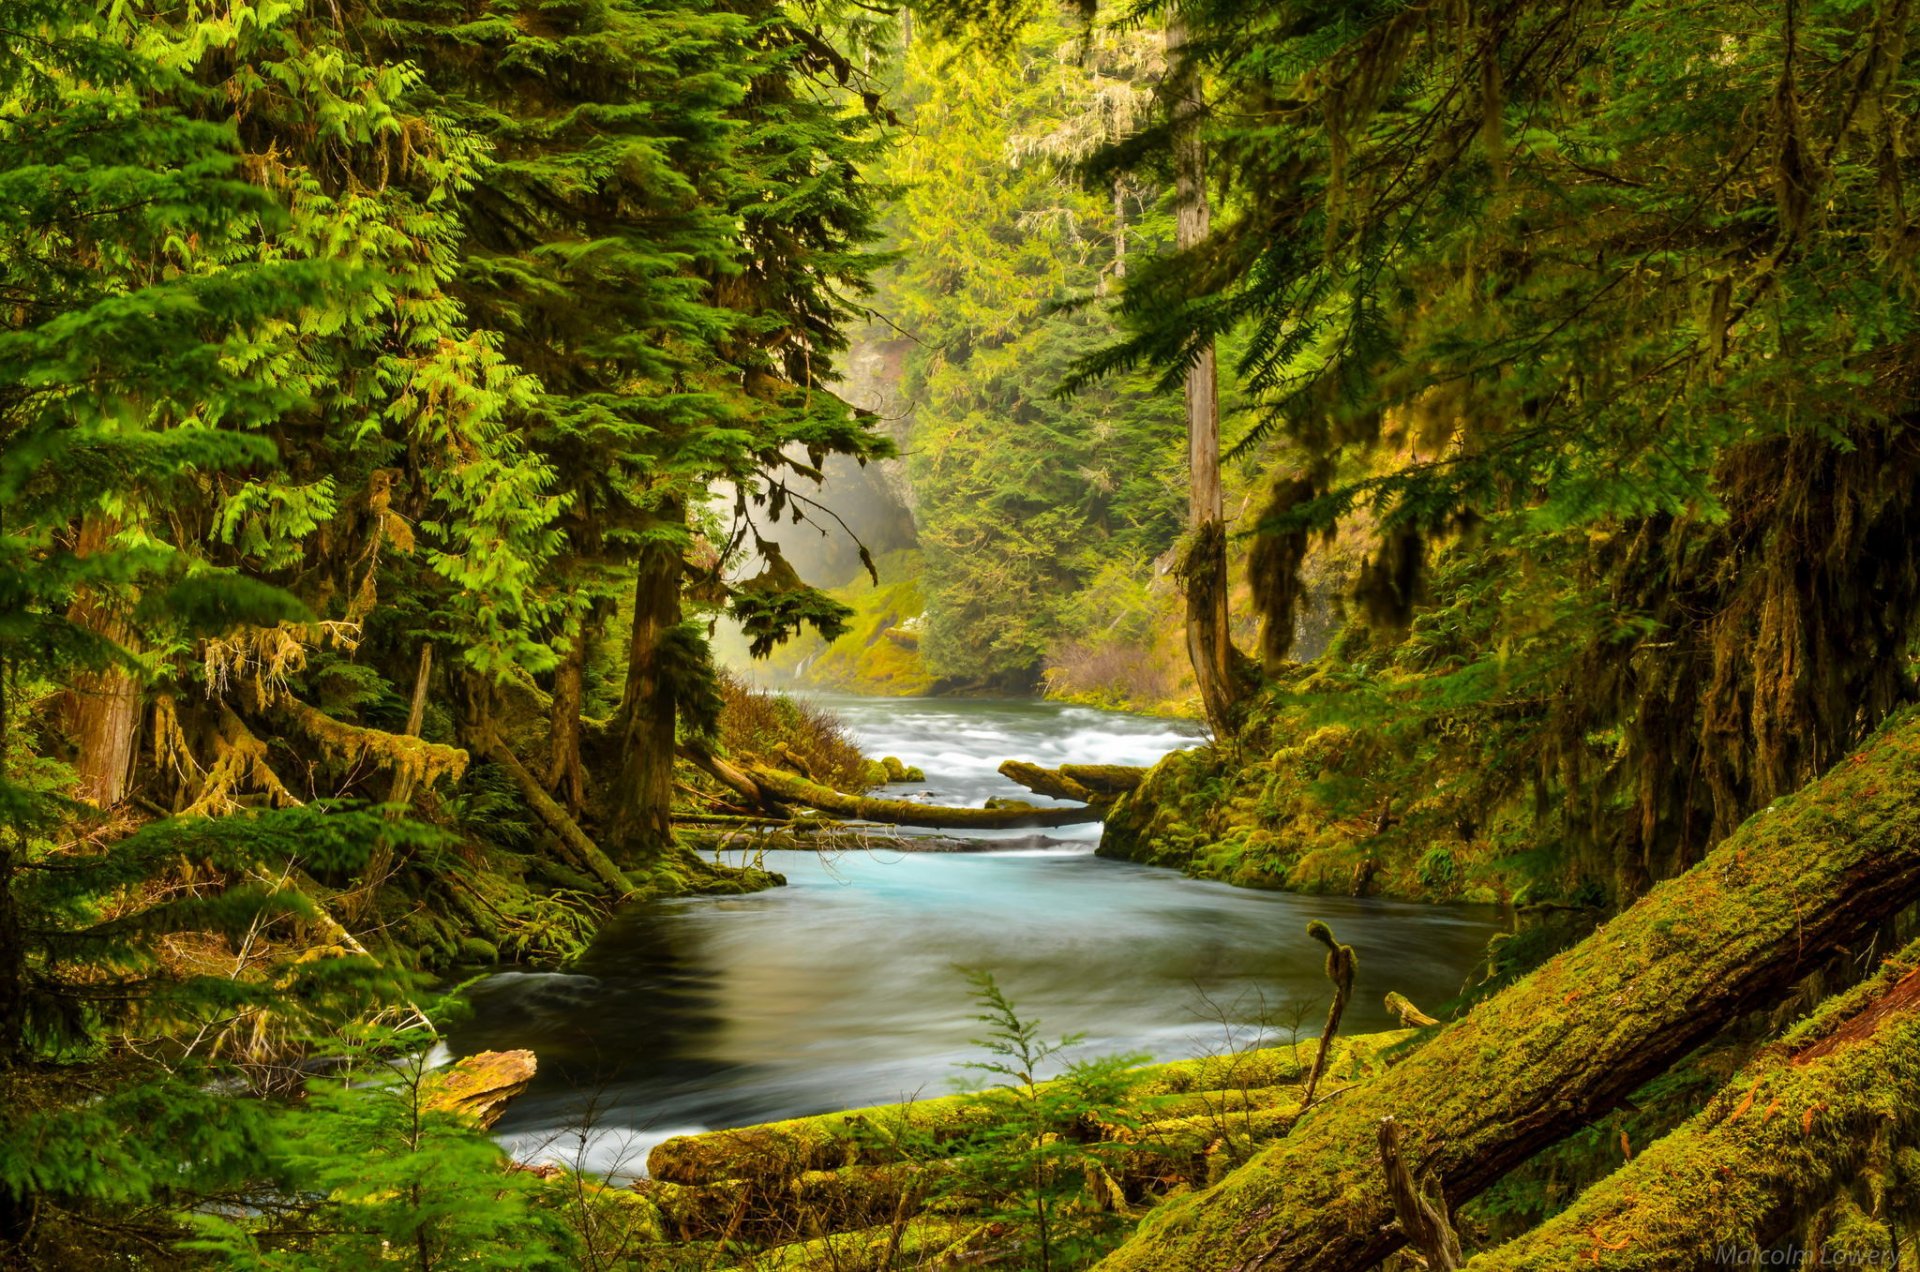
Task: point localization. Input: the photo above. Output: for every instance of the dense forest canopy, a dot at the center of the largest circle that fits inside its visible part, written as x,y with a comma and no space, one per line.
1493,420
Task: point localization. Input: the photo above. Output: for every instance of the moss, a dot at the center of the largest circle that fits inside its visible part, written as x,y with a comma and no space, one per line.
899,772
879,653
1182,1088
473,949
1578,1035
1797,1123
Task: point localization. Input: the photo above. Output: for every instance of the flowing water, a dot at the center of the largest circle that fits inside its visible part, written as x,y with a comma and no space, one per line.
844,988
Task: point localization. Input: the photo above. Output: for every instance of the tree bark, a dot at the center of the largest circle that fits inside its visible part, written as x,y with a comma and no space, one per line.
640,827
1204,571
1792,1128
102,705
566,770
900,812
1783,894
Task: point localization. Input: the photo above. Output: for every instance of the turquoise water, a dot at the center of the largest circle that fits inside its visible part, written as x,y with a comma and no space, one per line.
845,987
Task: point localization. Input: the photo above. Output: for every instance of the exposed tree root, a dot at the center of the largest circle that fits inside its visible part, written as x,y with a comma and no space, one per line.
1778,897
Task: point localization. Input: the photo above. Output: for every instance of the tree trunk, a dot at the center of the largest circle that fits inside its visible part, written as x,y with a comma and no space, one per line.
1784,1136
580,851
102,706
1204,571
13,962
1776,899
566,771
640,827
1050,782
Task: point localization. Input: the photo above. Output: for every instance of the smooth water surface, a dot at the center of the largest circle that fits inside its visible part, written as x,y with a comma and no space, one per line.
844,988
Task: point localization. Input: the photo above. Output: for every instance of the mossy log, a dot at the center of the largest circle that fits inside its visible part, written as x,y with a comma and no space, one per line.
1110,780
900,812
768,1209
1785,891
1203,1088
1785,1134
1050,782
925,1241
697,1212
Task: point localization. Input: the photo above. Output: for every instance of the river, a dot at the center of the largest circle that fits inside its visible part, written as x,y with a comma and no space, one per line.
844,988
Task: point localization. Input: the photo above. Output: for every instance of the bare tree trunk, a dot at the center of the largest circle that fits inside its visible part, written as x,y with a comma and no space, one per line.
641,824
1775,900
416,718
102,707
360,902
1204,572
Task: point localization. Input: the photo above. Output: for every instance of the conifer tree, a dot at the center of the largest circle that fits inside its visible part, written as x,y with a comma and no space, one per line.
127,371
668,224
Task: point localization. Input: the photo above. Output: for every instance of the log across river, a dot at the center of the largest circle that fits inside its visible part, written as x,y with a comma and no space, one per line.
843,988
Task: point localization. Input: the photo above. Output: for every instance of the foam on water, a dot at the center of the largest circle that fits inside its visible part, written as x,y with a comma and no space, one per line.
961,743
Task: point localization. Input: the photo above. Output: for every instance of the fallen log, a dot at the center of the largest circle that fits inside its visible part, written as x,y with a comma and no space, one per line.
1105,779
900,812
1220,1087
1050,782
729,775
1785,1134
1783,893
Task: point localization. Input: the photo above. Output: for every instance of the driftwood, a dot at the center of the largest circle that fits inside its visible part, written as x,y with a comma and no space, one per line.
900,812
1105,779
1409,1015
479,1086
1779,897
1097,784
